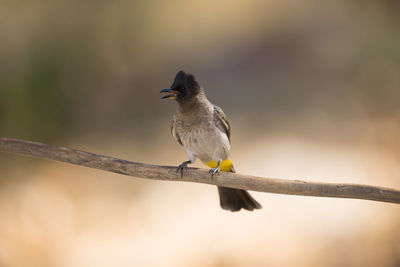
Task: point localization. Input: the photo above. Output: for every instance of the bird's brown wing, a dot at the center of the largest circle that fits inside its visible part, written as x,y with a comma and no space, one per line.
175,133
222,121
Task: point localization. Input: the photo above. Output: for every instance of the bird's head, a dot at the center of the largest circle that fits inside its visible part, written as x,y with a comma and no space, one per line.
185,87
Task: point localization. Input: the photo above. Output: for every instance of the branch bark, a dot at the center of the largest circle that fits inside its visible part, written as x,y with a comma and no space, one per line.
168,173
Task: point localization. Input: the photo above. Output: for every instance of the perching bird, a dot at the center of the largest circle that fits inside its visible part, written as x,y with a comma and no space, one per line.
204,131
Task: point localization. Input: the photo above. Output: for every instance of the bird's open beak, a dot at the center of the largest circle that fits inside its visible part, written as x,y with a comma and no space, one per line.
169,96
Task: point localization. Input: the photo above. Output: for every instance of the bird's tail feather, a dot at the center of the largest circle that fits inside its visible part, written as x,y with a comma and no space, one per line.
236,199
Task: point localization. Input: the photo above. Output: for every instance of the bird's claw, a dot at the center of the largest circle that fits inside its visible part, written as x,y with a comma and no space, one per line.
181,168
214,171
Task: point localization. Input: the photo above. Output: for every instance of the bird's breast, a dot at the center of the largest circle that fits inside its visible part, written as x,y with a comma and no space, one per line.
206,141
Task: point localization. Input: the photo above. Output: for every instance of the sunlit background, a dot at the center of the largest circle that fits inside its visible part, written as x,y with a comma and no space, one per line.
312,90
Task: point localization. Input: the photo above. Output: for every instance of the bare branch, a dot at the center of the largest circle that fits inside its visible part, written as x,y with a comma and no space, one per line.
233,180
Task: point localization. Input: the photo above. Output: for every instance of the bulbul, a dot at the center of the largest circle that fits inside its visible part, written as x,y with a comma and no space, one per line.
204,131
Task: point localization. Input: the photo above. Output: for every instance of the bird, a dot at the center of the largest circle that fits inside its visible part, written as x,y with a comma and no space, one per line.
202,128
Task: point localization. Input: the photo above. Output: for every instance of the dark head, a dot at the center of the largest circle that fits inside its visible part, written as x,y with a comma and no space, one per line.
184,88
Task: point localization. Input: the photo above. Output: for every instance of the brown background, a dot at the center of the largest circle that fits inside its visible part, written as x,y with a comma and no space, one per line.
312,90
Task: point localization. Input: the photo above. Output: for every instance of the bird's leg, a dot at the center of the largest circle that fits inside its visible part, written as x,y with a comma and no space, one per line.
183,166
216,170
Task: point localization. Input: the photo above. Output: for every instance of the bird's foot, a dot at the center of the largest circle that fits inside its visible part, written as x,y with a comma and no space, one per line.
182,167
214,171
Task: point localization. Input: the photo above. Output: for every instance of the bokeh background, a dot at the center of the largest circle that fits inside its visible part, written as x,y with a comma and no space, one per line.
312,90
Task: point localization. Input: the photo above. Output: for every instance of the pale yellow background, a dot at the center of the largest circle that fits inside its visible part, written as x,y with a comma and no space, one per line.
312,90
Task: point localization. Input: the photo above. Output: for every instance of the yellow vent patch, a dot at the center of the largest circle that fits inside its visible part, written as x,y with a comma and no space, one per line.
226,165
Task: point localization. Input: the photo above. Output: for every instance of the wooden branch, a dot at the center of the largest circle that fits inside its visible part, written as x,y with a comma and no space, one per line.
233,180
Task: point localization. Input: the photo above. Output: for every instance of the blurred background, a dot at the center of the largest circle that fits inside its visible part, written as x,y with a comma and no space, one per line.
312,90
